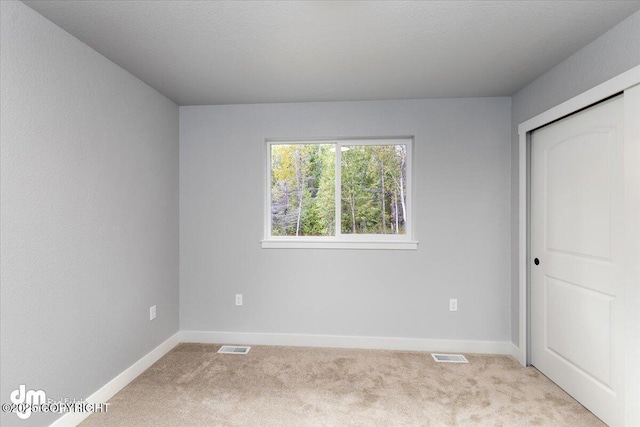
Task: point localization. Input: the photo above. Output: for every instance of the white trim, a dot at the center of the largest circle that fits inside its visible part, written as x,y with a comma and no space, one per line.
522,251
516,354
337,194
632,254
334,244
341,341
604,90
106,392
339,240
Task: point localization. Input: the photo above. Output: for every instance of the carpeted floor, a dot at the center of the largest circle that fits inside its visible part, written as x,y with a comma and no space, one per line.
292,386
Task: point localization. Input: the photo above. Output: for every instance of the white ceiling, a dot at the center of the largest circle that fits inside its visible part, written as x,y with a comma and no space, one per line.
250,52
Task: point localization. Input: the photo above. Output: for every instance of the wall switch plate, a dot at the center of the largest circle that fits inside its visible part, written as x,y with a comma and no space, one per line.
152,312
238,299
453,304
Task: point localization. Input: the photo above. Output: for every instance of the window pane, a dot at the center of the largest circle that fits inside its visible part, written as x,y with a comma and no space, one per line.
303,190
373,194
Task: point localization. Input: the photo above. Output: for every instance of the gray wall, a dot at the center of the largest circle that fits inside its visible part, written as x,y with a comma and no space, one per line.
89,213
462,208
614,52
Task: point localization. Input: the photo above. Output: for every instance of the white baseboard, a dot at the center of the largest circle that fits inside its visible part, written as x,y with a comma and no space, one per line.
338,341
109,390
517,354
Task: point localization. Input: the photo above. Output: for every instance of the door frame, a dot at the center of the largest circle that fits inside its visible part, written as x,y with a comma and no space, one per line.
616,85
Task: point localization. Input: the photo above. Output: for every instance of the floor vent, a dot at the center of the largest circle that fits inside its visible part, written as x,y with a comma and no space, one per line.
234,349
449,358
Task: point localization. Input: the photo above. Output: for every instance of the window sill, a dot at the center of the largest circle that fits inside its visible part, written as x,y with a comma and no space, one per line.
315,244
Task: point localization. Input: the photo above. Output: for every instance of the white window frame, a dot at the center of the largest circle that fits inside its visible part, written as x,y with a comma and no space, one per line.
342,241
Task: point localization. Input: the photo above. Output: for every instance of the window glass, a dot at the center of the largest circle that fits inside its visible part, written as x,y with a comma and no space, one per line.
373,193
303,190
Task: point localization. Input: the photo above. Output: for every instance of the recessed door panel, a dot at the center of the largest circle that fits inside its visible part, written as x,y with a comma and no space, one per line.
583,341
578,205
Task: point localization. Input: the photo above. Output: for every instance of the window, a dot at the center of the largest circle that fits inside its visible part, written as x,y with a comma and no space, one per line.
339,194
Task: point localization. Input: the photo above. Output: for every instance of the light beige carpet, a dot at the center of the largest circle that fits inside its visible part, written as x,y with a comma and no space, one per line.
290,386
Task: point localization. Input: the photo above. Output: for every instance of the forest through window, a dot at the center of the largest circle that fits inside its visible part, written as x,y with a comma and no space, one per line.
338,188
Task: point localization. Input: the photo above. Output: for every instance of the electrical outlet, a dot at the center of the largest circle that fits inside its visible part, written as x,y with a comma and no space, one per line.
152,312
238,299
453,304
